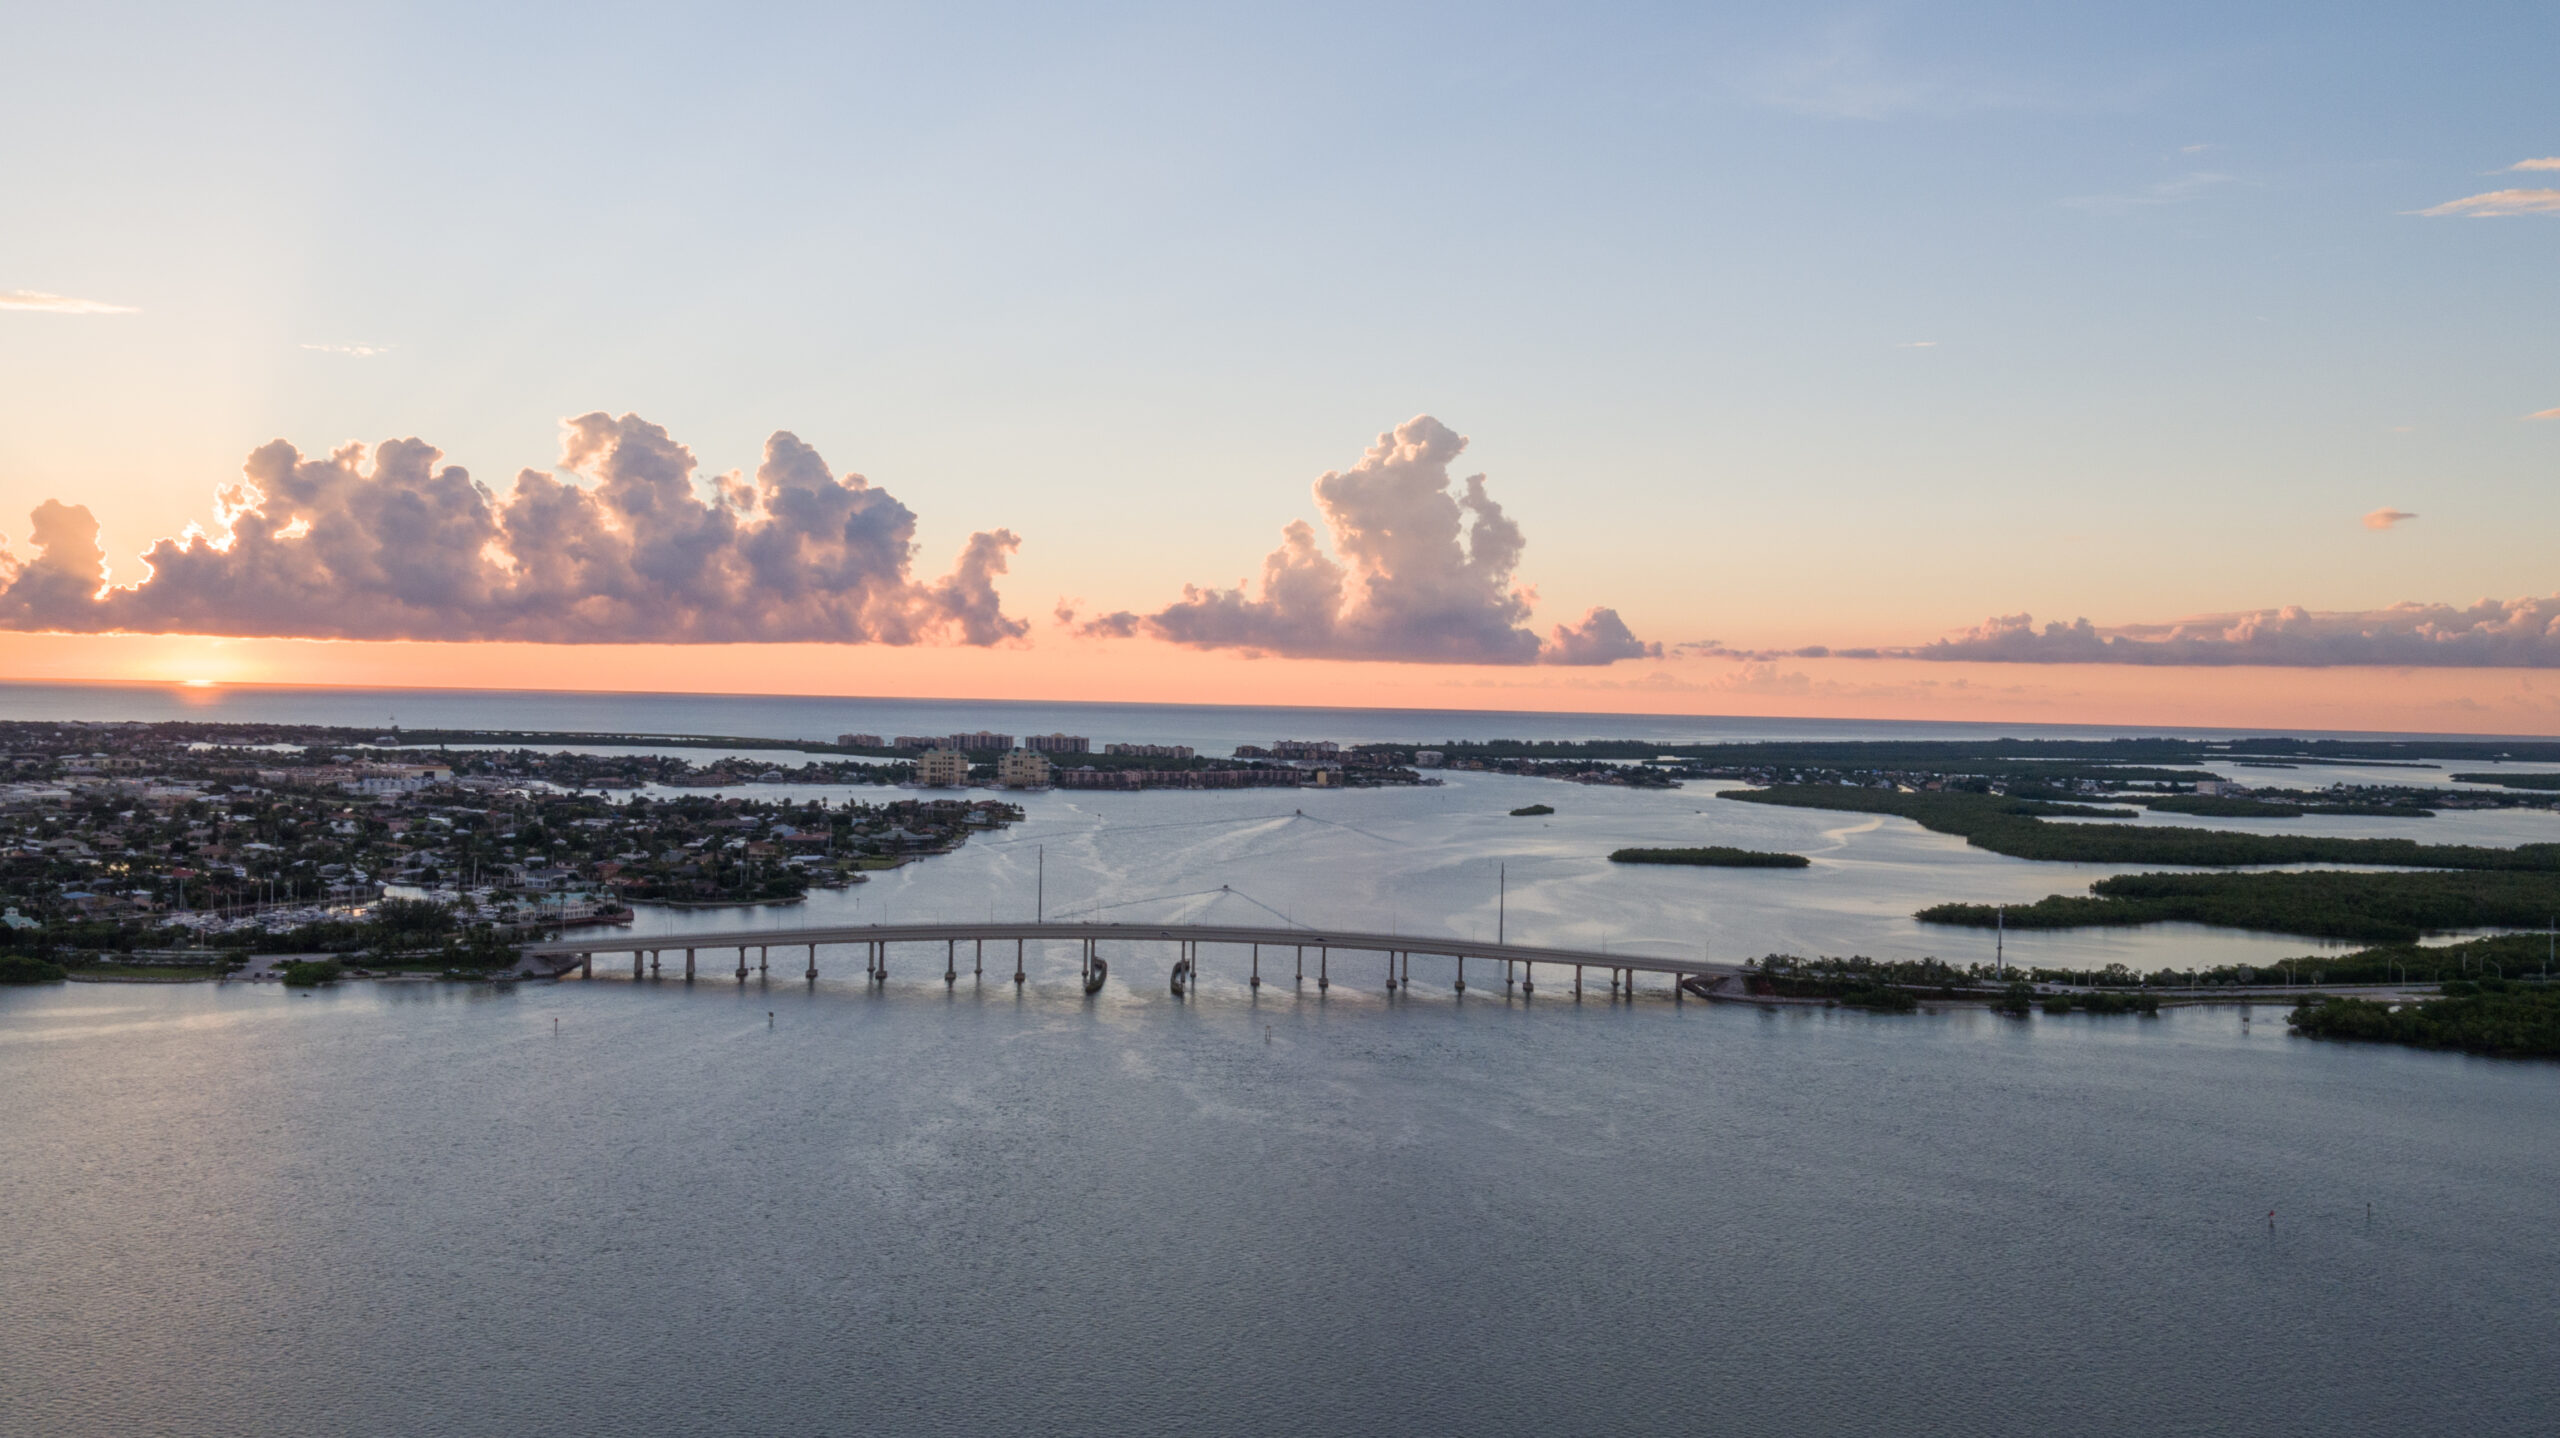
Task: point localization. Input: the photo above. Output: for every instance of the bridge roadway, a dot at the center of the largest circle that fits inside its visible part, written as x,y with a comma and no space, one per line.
558,956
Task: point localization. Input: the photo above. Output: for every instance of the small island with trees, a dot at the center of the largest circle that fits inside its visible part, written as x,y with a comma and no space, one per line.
1712,856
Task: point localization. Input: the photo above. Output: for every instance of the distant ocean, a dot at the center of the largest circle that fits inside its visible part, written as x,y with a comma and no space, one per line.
1211,728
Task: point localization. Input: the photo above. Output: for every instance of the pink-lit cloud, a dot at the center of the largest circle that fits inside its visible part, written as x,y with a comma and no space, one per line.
2491,634
39,302
1417,572
2386,517
632,548
2496,203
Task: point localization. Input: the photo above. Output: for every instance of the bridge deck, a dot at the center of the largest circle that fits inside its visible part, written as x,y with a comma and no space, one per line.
1274,937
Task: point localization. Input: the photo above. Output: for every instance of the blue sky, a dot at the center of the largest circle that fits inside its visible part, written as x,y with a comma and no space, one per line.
1847,325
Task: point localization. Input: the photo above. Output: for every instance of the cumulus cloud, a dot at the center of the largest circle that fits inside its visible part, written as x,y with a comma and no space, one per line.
42,303
2492,634
2386,517
1601,638
2552,413
1424,574
632,548
2547,162
2500,202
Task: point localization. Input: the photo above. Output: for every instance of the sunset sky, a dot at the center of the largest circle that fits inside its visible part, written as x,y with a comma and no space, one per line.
1167,343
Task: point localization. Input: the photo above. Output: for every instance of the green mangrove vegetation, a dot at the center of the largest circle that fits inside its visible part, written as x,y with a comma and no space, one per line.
2006,824
2512,781
1532,811
1713,856
20,969
1888,985
2233,806
2319,904
2491,1016
311,973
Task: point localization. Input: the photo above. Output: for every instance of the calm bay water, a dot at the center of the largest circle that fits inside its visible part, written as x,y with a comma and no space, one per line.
429,1210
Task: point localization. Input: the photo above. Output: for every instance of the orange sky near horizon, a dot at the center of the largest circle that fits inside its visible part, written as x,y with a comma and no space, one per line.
2472,701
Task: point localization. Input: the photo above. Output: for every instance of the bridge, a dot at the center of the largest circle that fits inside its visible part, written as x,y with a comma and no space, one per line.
1518,963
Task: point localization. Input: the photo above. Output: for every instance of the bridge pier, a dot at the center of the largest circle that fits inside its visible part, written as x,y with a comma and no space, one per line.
1256,981
586,966
764,960
1462,973
688,966
635,966
1017,963
1324,960
950,962
742,963
978,962
1577,983
1302,963
813,963
1506,976
1528,980
1391,971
